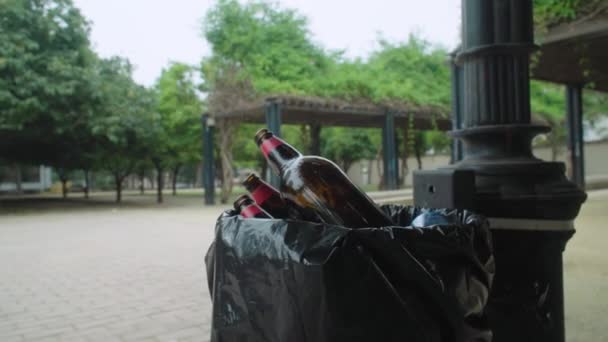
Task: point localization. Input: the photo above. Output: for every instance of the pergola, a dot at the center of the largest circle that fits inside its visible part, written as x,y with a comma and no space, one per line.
278,110
575,54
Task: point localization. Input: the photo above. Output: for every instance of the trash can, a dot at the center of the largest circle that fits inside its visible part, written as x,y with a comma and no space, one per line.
283,280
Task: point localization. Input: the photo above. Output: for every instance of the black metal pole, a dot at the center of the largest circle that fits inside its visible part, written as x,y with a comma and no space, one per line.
456,98
389,149
273,122
208,160
530,203
574,101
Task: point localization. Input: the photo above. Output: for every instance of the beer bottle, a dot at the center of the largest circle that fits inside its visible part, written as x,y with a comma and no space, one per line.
317,185
266,196
247,208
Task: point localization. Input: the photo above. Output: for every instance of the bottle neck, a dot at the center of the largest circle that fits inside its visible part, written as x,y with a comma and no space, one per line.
262,193
252,182
278,153
250,211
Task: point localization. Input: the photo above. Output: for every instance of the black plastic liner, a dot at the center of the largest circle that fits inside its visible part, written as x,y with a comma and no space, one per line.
295,281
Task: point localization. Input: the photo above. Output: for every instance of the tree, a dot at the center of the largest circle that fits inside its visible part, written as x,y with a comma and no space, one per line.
180,110
142,167
270,45
346,146
414,73
45,72
123,118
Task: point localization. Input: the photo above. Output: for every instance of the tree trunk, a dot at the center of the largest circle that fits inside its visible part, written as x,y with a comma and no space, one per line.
86,184
227,129
370,173
315,139
174,179
554,151
554,141
346,164
118,186
305,138
64,188
92,180
159,183
418,156
198,178
142,181
18,179
63,177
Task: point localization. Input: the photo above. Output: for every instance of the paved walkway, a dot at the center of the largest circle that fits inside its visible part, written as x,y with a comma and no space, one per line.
105,275
101,274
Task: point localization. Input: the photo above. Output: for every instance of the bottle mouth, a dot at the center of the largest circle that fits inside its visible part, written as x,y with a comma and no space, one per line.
249,180
262,134
243,199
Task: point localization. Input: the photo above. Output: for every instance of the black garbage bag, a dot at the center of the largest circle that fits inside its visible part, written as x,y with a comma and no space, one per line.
294,281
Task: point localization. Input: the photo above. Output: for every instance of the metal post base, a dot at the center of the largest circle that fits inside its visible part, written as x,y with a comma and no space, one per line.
526,303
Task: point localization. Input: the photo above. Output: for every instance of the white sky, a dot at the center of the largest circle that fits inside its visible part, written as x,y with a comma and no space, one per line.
151,33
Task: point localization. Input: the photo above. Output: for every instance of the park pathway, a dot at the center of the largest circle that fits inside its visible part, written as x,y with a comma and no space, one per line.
136,274
105,275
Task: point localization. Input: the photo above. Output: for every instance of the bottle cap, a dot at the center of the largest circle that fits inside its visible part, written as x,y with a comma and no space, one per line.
261,134
251,178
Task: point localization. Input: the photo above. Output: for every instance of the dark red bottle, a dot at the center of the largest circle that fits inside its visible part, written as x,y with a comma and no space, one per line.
318,186
266,196
247,208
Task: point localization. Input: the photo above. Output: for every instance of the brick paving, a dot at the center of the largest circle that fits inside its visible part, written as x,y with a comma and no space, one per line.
105,275
137,274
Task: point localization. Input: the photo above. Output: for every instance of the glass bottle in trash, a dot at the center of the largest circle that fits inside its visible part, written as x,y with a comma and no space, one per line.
266,196
318,187
247,208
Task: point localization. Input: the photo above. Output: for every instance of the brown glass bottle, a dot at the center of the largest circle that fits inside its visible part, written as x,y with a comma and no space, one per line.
266,196
317,185
247,208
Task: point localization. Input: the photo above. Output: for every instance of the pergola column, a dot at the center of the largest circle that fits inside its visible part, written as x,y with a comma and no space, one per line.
389,148
208,123
273,122
576,144
457,100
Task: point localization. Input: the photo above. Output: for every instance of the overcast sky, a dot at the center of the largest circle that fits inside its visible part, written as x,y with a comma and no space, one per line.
151,33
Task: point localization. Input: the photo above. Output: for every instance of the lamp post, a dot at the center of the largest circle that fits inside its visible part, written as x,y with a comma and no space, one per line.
530,203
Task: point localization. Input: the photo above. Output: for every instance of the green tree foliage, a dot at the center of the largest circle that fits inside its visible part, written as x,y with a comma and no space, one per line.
45,88
347,145
46,92
548,13
124,121
550,99
413,72
258,49
261,49
270,45
180,114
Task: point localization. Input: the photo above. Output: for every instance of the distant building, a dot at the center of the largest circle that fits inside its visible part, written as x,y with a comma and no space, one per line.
33,179
596,132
